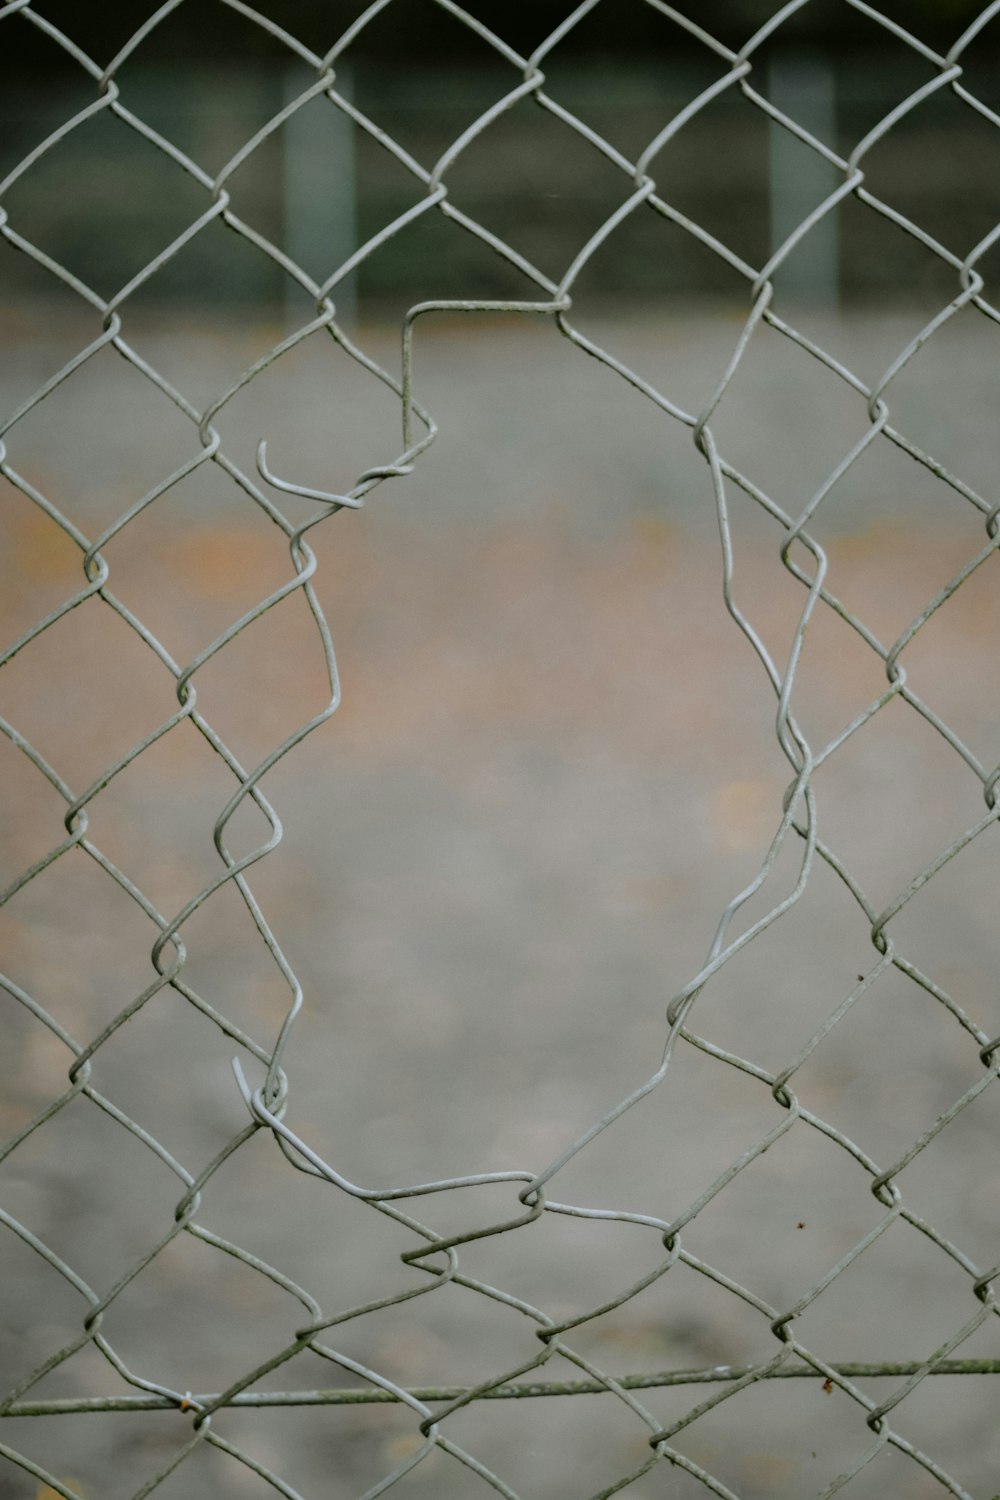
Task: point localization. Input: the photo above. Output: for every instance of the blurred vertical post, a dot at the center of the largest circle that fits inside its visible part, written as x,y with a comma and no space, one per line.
802,86
319,193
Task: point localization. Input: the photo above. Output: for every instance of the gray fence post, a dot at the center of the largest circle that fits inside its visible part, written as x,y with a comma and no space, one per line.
802,85
318,193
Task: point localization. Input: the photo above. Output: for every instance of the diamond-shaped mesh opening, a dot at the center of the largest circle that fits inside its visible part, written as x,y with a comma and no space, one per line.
393,98
34,47
930,404
219,262
98,33
87,643
930,280
975,61
104,227
556,190
853,1313
939,1184
956,1442
668,258
630,111
736,200
202,1278
965,201
231,36
49,571
779,371
180,531
942,1064
34,113
755,1030
936,29
152,440
956,962
967,610
768,1460
84,1235
181,106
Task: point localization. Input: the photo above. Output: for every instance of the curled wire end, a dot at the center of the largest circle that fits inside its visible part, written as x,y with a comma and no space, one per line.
351,501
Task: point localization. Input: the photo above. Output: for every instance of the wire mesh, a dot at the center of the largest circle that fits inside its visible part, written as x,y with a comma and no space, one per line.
878,1400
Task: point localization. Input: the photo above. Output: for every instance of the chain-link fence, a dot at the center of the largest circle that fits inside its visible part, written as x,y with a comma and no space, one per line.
357,1224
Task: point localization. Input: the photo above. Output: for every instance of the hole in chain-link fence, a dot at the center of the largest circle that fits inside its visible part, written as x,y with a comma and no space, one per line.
565,1068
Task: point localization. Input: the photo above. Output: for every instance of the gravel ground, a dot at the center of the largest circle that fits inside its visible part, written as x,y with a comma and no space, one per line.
554,765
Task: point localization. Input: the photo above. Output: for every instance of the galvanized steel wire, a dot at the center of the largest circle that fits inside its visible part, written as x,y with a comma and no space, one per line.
522,1194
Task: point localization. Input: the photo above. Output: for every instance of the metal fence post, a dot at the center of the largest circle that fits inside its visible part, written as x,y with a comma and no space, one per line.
803,85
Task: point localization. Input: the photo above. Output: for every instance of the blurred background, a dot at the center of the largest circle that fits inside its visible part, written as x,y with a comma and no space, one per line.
106,202
555,760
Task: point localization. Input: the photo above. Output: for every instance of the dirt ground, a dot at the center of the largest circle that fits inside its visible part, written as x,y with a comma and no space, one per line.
554,765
